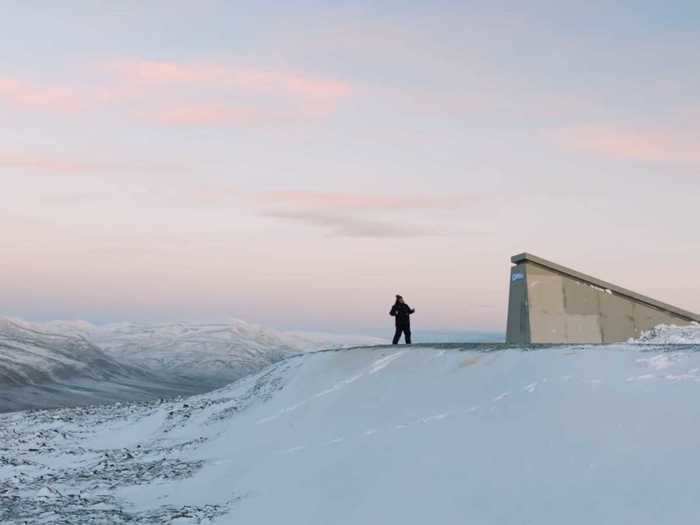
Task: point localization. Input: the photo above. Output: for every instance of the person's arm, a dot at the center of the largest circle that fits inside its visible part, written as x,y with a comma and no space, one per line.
411,310
393,311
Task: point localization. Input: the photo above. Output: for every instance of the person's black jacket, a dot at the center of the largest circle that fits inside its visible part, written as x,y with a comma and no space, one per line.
402,312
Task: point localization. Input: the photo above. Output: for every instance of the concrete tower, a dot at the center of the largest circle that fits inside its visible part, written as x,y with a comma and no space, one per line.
550,303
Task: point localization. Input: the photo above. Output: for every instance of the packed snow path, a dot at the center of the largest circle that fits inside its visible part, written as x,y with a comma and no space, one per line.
415,435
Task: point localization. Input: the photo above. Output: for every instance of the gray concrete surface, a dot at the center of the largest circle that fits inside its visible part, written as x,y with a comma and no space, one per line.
549,303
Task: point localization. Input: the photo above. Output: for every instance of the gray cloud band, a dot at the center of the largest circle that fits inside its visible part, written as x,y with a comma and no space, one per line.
350,226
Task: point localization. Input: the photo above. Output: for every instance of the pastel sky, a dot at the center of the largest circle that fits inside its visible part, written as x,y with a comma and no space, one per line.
298,163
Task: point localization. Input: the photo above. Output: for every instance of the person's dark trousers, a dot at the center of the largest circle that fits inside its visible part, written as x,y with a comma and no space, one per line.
406,330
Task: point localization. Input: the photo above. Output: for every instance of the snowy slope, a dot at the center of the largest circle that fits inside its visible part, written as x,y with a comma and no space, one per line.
450,434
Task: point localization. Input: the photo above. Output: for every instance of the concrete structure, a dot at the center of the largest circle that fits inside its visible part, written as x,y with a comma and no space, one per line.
549,303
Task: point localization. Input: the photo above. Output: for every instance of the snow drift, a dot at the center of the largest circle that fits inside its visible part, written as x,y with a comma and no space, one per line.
442,434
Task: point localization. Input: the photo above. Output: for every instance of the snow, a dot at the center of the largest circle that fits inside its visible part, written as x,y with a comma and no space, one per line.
42,369
382,363
479,434
228,350
30,356
224,350
63,363
671,335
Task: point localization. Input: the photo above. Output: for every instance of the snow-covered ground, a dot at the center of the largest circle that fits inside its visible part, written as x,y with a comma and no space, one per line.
446,434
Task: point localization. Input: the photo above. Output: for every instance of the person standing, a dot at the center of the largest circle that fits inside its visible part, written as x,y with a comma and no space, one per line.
402,313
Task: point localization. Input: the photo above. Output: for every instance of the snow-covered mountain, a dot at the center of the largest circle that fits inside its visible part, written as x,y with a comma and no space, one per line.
76,362
29,356
223,351
40,369
446,434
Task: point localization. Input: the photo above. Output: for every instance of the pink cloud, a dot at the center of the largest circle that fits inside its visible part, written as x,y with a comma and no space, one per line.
252,79
44,163
359,201
26,95
294,83
645,146
270,97
208,115
141,82
63,164
148,71
218,115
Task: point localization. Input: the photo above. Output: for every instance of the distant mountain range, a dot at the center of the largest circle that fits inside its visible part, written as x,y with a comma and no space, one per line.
65,363
41,369
224,351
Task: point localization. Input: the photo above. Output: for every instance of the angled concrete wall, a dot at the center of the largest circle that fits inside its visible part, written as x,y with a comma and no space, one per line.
550,303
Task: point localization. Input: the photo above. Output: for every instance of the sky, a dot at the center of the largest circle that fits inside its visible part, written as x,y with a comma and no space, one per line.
298,163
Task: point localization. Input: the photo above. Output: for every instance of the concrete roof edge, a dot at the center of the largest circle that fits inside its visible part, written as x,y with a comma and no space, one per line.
528,257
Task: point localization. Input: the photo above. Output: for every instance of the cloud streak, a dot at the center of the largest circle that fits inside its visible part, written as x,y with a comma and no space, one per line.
359,215
350,226
217,115
185,94
253,79
52,164
44,163
636,145
359,201
260,96
22,94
